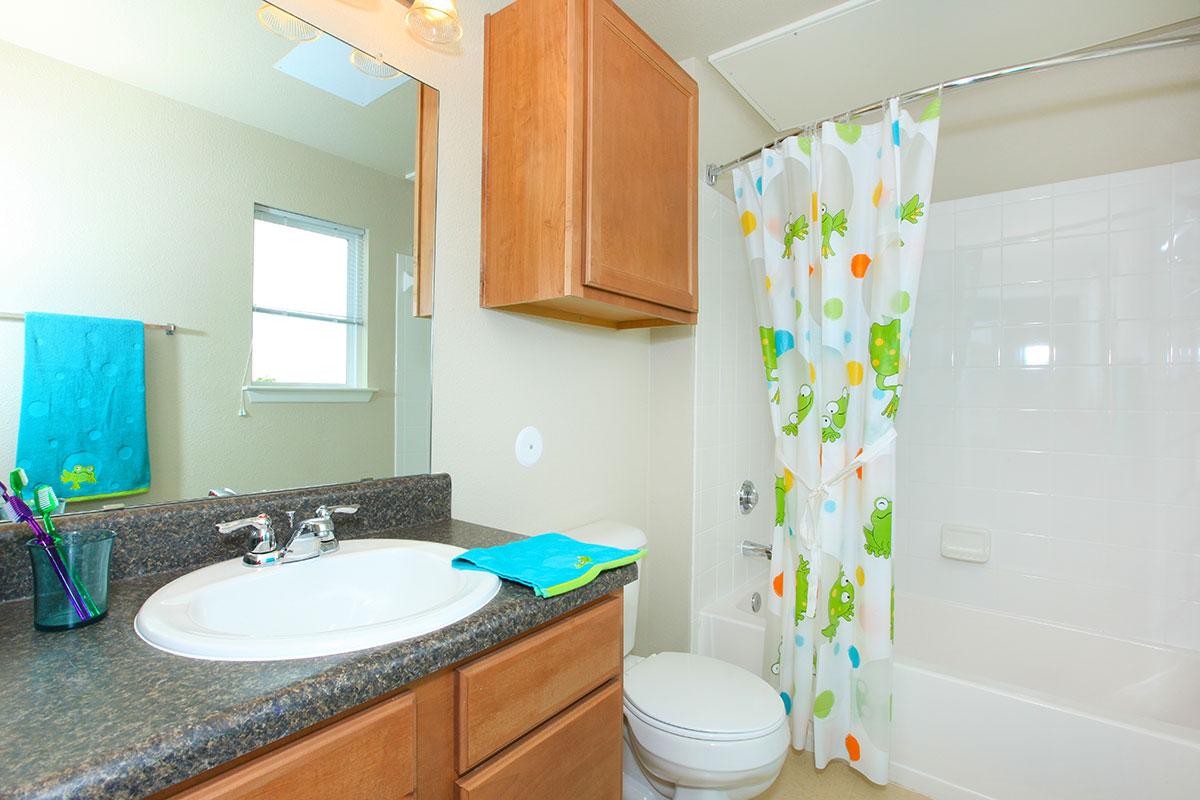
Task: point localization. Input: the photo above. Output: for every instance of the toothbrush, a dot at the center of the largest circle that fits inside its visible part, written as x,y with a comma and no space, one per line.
45,503
17,511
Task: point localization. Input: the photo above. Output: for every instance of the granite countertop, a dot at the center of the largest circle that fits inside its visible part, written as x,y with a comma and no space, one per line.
98,713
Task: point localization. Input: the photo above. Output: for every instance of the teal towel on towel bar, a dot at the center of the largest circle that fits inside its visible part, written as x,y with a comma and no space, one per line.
550,563
83,406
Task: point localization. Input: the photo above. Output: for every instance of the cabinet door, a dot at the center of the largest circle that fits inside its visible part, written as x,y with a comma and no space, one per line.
576,755
641,168
367,756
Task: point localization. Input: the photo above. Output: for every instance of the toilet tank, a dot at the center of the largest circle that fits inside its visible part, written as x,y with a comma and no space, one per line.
617,534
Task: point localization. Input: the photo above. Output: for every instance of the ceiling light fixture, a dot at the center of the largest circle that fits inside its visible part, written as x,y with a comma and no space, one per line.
372,66
434,21
283,24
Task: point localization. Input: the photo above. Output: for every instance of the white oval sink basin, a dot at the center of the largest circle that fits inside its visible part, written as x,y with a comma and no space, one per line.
369,593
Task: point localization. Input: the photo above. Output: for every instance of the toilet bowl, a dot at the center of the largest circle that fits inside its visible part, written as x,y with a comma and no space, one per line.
695,728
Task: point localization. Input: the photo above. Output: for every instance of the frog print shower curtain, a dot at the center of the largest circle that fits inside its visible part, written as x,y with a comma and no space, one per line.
834,225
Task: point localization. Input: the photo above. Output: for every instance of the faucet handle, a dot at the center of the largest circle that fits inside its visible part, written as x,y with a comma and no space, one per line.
327,512
264,549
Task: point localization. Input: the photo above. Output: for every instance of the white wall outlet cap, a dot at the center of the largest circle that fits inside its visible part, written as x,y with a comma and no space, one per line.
529,446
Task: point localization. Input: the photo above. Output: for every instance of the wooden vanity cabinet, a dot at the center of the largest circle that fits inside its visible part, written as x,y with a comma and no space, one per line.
590,168
538,718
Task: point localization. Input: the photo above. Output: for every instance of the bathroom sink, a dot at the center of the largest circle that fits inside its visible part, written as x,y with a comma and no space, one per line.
369,593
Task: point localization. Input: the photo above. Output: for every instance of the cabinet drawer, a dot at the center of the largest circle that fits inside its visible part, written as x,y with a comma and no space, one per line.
576,755
368,756
503,696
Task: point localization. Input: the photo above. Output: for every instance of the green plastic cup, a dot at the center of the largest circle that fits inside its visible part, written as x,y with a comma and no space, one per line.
86,555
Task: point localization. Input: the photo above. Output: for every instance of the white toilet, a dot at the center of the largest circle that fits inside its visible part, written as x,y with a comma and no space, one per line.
695,727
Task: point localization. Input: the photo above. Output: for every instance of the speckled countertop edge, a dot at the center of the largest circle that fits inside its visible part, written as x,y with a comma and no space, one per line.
133,757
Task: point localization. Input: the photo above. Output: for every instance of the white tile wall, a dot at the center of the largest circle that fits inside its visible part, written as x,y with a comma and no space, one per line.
1054,398
733,432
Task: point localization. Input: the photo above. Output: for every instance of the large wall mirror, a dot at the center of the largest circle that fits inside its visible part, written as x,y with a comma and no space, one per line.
216,247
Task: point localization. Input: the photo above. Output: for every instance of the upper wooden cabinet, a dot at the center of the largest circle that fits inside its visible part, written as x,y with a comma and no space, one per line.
590,169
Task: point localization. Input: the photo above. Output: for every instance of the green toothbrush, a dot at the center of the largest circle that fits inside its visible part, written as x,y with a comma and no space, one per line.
18,481
45,503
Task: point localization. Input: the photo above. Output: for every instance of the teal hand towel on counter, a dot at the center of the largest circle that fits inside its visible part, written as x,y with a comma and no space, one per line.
550,563
83,406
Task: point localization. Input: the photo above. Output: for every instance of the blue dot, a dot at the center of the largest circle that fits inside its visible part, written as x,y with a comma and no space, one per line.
787,702
896,132
897,212
877,394
799,640
770,161
792,292
758,185
847,337
879,153
738,193
784,341
830,506
808,336
837,648
853,653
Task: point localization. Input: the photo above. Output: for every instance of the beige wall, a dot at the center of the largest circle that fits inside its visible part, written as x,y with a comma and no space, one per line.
120,202
1071,122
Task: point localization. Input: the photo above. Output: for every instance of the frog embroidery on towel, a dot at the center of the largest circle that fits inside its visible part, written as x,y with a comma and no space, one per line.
831,224
582,562
802,589
834,421
80,474
884,348
804,403
793,231
879,535
841,605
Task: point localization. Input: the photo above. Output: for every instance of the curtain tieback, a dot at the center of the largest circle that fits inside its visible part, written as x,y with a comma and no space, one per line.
810,530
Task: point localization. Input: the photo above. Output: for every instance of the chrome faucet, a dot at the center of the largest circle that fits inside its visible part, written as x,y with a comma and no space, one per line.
311,538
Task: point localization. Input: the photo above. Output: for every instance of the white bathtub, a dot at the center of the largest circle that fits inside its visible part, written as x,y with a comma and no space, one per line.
993,706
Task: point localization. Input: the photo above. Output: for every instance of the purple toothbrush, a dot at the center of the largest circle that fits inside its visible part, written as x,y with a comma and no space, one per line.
19,512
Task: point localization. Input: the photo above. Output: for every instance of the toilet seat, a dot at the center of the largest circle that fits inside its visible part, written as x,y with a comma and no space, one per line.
697,697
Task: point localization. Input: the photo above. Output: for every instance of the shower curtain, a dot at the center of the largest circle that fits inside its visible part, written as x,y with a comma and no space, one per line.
834,225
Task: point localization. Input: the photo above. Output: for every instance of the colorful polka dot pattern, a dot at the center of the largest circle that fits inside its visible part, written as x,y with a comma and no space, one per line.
835,277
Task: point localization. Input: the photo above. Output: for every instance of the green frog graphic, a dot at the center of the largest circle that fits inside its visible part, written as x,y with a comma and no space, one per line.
841,604
582,562
804,403
775,668
80,474
767,336
879,534
780,501
801,589
831,224
913,210
834,421
884,348
793,231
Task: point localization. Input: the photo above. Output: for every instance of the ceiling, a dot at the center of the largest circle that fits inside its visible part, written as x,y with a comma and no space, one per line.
862,50
214,55
687,28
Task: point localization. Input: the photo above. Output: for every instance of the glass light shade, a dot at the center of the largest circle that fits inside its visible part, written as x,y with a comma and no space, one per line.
435,21
372,67
283,24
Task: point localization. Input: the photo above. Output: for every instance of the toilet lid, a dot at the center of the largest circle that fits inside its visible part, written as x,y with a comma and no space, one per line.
701,694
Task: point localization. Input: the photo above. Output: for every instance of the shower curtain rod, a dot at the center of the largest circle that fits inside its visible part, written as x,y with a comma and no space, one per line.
712,171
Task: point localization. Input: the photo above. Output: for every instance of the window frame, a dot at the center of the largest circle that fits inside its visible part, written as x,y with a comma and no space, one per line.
354,387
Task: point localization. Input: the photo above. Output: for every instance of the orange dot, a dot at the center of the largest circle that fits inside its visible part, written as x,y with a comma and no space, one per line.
859,471
859,264
814,205
852,748
777,585
810,269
